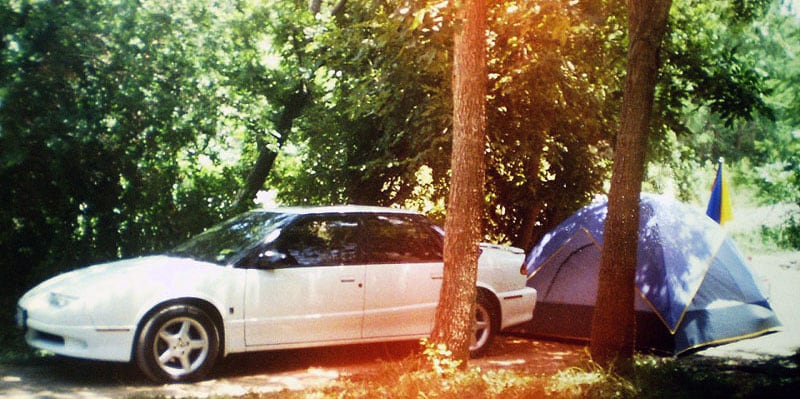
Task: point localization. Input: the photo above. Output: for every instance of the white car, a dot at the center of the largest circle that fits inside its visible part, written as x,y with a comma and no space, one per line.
268,279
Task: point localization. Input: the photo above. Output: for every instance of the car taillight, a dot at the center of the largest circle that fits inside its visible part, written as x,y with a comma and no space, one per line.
523,270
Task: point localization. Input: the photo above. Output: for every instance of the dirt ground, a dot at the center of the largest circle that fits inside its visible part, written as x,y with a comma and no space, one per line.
58,377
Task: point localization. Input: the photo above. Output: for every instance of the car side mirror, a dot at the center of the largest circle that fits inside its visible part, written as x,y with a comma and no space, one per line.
269,259
272,257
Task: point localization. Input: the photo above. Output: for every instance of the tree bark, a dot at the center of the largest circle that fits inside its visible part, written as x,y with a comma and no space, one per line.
530,216
613,329
463,226
526,238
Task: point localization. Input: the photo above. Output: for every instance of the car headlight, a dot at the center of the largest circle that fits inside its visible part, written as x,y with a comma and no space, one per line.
58,300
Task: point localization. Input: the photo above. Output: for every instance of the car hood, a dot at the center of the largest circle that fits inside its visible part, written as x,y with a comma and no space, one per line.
119,275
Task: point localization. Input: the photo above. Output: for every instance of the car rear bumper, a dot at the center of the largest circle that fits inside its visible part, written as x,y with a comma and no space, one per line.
517,306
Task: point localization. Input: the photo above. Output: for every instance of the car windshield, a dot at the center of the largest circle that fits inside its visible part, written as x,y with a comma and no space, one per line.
225,242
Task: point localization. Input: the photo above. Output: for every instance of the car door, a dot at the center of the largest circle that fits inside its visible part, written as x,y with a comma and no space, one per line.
403,276
310,287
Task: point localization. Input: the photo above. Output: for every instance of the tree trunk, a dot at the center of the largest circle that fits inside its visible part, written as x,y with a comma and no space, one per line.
613,330
526,238
292,109
455,314
257,176
266,156
531,213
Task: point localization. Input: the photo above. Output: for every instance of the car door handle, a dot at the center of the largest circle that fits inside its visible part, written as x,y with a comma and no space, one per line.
437,276
348,280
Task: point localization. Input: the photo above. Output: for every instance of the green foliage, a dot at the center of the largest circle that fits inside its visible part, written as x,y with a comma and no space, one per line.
591,381
372,128
784,236
381,125
711,98
440,358
554,80
725,93
109,121
771,164
775,163
379,128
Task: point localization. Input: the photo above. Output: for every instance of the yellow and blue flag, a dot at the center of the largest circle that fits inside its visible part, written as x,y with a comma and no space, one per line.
719,205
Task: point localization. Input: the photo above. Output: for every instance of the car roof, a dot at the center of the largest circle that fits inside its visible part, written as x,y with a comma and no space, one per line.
307,210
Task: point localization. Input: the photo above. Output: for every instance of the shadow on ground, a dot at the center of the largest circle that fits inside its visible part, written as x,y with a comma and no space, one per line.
721,377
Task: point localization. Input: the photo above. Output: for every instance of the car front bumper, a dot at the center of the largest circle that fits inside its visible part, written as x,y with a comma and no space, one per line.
87,342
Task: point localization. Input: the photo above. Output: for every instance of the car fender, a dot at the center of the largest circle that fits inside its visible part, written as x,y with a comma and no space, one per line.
125,307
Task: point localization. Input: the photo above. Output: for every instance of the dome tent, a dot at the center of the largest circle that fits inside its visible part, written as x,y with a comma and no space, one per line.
693,287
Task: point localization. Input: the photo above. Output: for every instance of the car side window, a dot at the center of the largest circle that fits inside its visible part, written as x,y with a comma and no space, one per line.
400,239
319,241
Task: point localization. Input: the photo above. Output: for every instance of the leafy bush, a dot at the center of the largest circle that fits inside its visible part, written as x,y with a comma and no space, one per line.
784,236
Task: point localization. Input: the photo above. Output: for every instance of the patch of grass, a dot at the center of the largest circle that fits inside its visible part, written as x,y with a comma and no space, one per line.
13,348
407,379
704,377
434,374
668,378
784,236
590,381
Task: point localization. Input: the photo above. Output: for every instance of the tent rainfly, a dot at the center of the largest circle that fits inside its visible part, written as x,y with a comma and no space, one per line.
693,287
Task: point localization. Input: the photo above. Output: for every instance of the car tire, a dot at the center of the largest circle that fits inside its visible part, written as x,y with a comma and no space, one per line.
485,326
178,343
